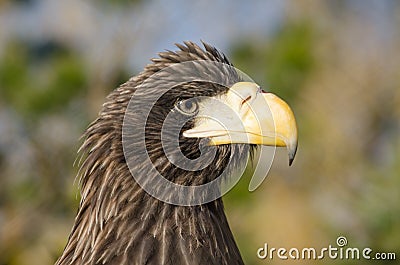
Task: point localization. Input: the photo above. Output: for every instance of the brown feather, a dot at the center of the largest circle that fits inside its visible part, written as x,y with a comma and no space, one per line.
118,222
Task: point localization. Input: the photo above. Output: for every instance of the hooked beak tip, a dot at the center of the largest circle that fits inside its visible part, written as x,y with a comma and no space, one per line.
292,154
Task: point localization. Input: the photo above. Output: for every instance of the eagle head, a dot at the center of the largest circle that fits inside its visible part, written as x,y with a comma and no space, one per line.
155,159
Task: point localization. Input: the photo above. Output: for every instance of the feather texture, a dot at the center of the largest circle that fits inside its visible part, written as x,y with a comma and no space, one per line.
117,221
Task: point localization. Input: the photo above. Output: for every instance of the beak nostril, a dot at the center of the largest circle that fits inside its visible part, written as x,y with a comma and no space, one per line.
246,100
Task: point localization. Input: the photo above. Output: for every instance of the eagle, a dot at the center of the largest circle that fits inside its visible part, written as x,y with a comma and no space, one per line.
144,182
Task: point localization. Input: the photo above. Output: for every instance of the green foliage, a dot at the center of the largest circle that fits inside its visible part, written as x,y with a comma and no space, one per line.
34,87
283,63
240,195
121,2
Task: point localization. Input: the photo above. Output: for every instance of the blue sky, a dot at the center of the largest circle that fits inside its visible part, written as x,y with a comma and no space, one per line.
138,32
141,30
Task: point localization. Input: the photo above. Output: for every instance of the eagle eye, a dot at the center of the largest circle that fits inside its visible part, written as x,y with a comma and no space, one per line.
188,106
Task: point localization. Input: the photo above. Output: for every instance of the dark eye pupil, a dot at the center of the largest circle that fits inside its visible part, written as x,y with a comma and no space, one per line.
188,106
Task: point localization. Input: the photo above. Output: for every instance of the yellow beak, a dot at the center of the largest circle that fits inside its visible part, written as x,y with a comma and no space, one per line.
246,115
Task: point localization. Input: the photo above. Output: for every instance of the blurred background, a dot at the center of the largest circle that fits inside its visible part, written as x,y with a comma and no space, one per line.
337,63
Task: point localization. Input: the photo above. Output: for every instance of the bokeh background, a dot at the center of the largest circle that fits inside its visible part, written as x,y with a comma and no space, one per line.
337,63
